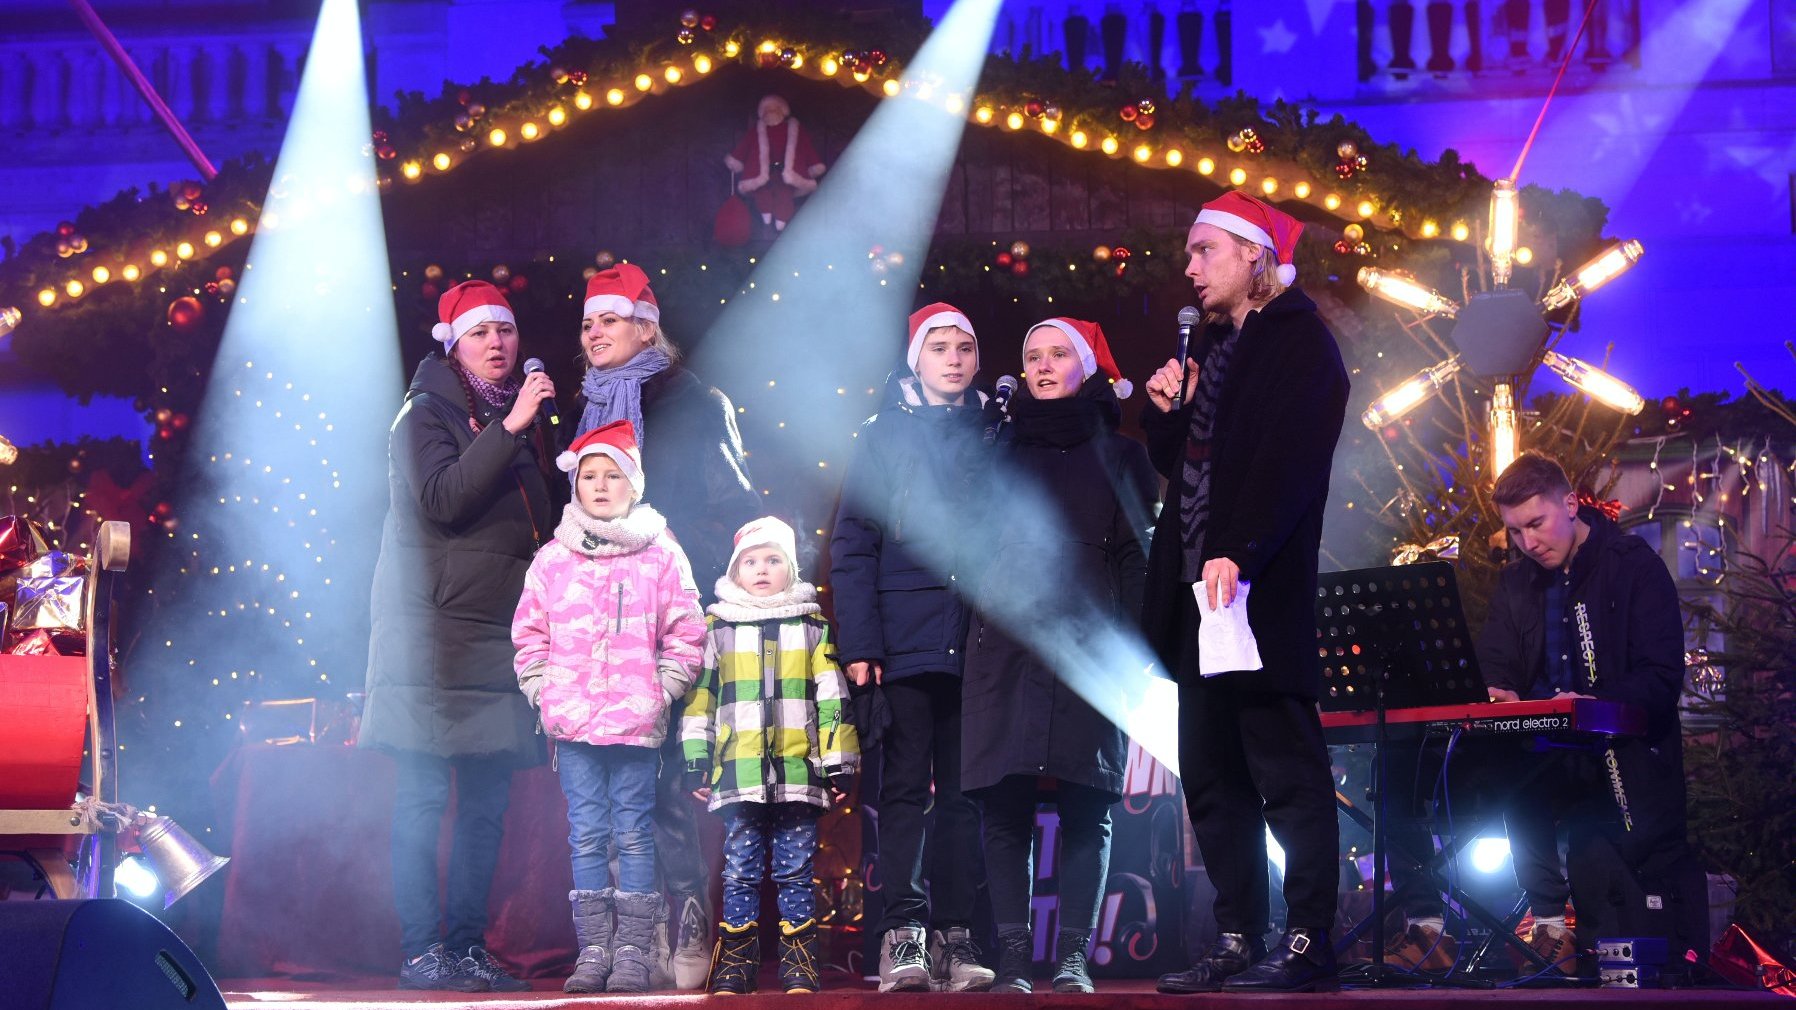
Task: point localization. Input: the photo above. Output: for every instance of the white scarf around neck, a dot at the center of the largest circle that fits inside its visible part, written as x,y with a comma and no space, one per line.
602,538
738,606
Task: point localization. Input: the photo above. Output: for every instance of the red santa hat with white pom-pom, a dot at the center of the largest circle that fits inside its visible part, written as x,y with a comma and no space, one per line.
1257,221
1093,349
623,289
616,440
467,305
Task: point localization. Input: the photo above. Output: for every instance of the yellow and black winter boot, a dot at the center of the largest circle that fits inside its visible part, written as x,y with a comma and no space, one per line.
798,956
735,960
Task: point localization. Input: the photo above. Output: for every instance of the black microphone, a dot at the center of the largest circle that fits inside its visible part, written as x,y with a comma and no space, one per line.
1188,317
546,408
1001,394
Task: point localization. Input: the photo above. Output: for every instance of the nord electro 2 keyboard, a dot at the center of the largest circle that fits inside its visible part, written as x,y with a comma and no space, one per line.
1553,717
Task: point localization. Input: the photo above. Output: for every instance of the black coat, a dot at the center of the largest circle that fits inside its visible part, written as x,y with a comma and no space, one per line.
1637,633
1055,580
466,515
1277,421
696,469
896,551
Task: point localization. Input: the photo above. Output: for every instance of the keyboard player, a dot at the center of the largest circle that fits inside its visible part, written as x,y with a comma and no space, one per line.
1588,611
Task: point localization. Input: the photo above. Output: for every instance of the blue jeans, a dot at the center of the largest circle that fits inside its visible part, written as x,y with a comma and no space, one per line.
482,792
610,794
749,830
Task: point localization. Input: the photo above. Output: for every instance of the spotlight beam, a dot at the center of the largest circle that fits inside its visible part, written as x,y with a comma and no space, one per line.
886,190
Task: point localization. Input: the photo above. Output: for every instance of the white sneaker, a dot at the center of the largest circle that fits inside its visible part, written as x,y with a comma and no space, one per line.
691,958
903,963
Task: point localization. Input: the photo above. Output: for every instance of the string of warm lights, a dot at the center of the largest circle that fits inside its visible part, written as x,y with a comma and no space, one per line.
532,117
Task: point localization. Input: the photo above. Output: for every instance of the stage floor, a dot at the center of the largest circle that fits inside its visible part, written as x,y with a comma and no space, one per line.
372,994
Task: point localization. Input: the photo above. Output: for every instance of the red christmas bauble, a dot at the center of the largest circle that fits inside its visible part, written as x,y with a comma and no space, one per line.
1121,268
199,208
65,228
162,510
185,312
518,282
1128,113
878,56
178,422
1670,405
1004,259
380,136
708,22
429,290
577,78
464,96
1145,121
222,274
191,191
1120,253
1033,109
1020,268
211,288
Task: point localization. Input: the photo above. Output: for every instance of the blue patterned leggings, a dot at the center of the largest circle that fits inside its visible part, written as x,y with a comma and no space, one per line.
750,830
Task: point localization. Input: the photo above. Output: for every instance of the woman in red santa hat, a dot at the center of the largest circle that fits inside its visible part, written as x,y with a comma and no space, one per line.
469,506
1067,540
689,439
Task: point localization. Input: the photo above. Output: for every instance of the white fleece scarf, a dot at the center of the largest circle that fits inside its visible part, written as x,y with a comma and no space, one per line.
607,538
738,606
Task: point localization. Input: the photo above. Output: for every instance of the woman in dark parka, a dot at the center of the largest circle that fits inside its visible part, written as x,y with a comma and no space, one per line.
1067,533
469,504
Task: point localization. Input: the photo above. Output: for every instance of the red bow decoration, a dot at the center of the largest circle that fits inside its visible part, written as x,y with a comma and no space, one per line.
1610,507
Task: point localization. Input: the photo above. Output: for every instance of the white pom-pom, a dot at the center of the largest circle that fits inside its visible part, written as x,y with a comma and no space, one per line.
567,461
443,333
1287,274
1123,388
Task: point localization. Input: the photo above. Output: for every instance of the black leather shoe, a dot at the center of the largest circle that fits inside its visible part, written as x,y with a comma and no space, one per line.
1229,955
1303,961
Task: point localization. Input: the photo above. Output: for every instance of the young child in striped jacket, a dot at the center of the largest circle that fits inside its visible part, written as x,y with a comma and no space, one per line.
768,744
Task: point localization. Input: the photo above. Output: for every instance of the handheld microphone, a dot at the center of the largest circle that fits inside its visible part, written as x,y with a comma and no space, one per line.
546,408
1001,393
1188,318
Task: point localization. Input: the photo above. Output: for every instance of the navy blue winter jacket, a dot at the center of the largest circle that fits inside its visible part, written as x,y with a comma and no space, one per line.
897,550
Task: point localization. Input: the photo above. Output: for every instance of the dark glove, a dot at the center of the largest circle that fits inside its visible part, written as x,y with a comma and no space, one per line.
697,775
842,781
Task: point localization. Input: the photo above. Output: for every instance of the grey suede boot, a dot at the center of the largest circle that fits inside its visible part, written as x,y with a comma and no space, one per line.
592,931
637,915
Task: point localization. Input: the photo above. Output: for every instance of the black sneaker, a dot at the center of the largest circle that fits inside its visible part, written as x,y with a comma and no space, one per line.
482,963
436,969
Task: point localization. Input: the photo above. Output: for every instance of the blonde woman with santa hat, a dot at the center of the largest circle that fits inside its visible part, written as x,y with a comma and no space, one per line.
901,531
1245,435
1066,544
690,441
609,636
469,505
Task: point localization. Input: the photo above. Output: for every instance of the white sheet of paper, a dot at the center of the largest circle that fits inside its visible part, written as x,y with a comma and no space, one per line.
1224,641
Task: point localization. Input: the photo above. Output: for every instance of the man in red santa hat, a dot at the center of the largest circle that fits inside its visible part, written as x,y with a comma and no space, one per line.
1245,433
777,163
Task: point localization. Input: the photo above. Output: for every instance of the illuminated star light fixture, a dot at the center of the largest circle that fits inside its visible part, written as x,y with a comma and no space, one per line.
1500,335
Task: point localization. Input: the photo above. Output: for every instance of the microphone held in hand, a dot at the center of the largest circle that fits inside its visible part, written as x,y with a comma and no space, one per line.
546,408
1188,318
1001,394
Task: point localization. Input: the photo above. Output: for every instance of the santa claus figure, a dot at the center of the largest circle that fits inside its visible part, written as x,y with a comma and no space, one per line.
776,162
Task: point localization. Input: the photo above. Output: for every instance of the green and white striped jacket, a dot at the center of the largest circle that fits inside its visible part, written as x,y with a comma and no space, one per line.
769,709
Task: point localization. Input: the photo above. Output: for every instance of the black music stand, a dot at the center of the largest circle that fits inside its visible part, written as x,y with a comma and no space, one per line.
1392,637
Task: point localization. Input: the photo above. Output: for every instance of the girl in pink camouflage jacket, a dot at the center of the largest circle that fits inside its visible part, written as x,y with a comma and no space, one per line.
609,635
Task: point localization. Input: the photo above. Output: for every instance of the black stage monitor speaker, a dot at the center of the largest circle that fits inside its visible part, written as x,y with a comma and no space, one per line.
96,955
